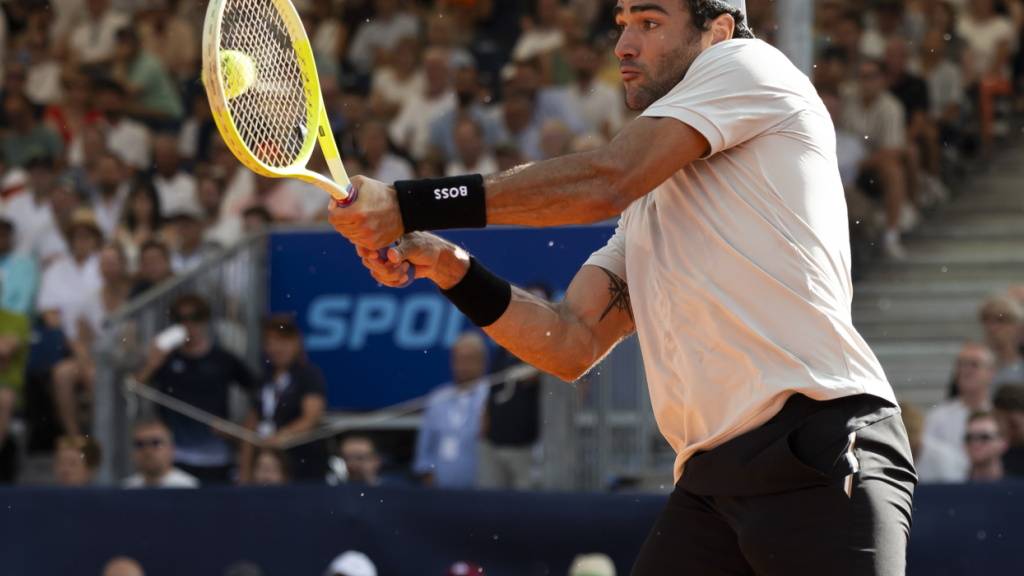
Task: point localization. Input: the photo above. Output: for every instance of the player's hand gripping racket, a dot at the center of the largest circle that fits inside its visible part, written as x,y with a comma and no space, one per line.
261,80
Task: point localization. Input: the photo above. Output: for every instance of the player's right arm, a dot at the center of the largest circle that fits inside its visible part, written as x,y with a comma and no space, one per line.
565,339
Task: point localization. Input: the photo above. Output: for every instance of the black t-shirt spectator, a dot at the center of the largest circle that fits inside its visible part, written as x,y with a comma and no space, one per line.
513,408
280,402
912,92
204,382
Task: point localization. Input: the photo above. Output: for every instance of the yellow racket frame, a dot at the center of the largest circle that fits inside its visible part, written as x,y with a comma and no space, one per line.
340,187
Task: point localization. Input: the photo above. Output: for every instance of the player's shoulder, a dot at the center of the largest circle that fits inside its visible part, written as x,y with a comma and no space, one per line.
743,51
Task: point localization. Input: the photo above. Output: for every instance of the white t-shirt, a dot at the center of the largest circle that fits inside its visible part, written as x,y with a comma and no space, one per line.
177,193
93,41
739,264
67,286
175,478
983,40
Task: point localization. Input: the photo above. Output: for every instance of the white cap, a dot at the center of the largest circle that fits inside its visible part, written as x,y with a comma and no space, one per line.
592,565
352,563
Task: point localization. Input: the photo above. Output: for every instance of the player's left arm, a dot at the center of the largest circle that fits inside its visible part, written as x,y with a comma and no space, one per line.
577,189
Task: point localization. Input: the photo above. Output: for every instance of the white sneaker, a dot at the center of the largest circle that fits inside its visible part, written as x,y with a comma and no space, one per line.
909,218
892,247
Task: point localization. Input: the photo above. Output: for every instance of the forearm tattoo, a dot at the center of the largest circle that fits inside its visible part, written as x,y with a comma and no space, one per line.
619,292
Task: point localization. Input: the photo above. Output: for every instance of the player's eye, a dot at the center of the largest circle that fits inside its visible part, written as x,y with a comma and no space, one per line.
650,24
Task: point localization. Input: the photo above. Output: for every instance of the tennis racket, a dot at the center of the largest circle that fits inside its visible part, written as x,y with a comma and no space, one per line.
273,122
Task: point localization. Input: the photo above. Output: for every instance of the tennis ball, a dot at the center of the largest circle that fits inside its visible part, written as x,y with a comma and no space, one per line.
238,71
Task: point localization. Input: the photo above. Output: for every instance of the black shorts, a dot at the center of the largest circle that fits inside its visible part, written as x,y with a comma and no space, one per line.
821,488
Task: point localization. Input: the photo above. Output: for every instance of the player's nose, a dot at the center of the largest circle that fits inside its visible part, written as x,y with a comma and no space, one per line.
628,45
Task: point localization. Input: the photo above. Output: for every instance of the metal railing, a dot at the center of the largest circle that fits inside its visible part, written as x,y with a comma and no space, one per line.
233,282
601,430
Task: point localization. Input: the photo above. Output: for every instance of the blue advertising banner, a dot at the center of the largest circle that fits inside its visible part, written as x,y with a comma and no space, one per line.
377,346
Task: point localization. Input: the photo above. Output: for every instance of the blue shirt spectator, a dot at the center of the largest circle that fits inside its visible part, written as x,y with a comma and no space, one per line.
446,447
19,275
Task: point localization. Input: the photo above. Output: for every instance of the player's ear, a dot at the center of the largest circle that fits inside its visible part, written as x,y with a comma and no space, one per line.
722,28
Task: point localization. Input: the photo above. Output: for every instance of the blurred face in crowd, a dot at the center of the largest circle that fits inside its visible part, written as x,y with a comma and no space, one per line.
154,265
469,359
467,85
18,111
385,8
153,451
1001,323
109,173
518,110
983,441
1011,424
547,12
282,350
896,56
468,141
210,195
141,205
70,469
63,202
555,139
190,233
975,367
373,139
585,61
872,82
256,221
97,7
84,242
982,8
435,68
404,57
268,470
41,177
165,154
113,268
656,47
847,34
361,460
194,322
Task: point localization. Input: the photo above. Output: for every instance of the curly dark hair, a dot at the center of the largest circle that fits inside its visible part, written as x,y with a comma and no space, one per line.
704,11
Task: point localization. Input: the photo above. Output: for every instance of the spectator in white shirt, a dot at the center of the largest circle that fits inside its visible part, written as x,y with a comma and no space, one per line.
411,129
154,459
110,192
934,461
176,187
65,288
473,157
395,84
127,138
381,33
600,105
945,424
92,39
377,159
30,206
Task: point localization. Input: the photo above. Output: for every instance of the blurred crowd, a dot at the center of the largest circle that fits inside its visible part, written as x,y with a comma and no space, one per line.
355,563
114,181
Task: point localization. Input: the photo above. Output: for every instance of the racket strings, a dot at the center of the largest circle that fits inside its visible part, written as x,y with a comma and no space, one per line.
271,115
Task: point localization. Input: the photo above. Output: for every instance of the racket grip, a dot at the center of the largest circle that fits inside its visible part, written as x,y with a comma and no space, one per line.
352,194
383,255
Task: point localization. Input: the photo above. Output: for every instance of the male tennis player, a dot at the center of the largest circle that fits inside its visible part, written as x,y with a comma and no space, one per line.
732,263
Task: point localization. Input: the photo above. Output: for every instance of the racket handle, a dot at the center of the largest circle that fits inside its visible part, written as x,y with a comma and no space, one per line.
383,255
352,193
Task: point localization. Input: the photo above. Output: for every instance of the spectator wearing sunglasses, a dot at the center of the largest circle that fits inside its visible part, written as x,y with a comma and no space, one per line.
1001,318
985,445
154,459
197,370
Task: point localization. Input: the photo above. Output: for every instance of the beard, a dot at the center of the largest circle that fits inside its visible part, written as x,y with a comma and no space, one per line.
661,77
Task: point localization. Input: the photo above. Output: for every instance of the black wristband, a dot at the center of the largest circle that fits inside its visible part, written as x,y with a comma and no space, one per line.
442,203
481,295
